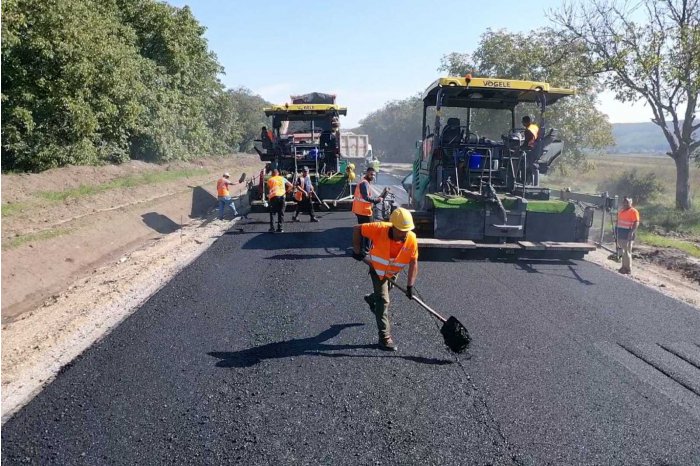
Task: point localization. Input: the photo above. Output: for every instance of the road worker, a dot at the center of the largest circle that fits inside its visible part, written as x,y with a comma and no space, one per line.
531,132
394,246
530,138
277,187
302,195
224,196
267,138
350,172
362,202
627,223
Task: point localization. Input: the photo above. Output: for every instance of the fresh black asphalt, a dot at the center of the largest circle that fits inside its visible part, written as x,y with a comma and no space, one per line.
262,351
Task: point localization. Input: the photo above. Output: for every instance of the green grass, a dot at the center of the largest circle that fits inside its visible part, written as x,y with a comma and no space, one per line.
653,239
40,236
125,182
9,210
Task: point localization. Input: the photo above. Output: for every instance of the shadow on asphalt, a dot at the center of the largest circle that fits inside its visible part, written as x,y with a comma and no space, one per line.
312,346
329,255
333,238
531,267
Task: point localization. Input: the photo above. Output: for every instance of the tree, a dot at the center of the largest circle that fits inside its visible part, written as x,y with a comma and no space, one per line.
542,55
647,51
394,129
250,116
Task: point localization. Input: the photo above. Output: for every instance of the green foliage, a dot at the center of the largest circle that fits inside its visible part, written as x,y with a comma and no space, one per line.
630,183
250,116
102,81
542,55
394,129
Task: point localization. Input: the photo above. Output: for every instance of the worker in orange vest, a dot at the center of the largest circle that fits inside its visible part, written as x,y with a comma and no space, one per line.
277,187
302,195
394,246
532,131
224,196
362,201
627,223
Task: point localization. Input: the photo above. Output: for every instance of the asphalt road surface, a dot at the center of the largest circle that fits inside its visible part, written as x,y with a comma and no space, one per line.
263,352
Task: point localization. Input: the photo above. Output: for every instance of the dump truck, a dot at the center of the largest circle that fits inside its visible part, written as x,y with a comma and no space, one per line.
475,184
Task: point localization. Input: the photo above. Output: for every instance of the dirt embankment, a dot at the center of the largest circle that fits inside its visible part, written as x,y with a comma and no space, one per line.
85,246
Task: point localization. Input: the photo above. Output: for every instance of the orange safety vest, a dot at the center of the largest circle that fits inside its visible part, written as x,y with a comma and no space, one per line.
534,129
380,252
298,195
270,135
627,217
275,186
359,205
222,188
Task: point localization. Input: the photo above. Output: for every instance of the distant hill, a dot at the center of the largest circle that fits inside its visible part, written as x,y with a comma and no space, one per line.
638,138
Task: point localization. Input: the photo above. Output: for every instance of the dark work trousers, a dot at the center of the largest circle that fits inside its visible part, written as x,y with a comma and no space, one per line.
360,220
380,299
277,205
306,205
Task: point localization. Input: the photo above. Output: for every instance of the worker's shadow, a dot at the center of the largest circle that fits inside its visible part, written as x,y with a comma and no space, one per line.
530,266
159,222
336,238
313,346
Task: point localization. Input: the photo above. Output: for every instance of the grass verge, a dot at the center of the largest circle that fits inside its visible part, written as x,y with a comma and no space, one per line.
652,239
9,210
125,182
40,236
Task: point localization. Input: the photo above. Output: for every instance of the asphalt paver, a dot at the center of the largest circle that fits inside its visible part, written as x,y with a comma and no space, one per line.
262,351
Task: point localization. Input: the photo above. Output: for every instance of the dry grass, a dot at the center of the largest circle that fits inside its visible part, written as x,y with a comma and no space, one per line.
608,167
659,214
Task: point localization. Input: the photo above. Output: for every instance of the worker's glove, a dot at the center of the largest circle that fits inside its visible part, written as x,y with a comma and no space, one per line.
358,256
409,292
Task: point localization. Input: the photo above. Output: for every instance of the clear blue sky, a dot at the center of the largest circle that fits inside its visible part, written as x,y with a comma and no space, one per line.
368,52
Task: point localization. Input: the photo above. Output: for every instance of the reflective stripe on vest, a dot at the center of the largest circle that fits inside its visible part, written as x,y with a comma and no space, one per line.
359,205
222,188
275,187
379,254
627,217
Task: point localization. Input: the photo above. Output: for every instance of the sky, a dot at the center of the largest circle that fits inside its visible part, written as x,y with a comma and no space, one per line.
367,52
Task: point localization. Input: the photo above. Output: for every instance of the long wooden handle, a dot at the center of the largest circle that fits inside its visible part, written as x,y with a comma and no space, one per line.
420,301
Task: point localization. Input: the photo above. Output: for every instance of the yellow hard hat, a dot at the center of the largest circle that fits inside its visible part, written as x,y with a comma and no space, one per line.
402,219
351,166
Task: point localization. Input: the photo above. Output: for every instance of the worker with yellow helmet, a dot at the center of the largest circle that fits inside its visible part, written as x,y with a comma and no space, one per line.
394,246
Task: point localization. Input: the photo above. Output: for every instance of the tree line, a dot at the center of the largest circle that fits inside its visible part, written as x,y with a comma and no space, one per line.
106,81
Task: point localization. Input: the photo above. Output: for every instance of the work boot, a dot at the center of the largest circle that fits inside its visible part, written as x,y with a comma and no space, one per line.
279,229
369,299
624,271
314,219
272,229
295,219
387,343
